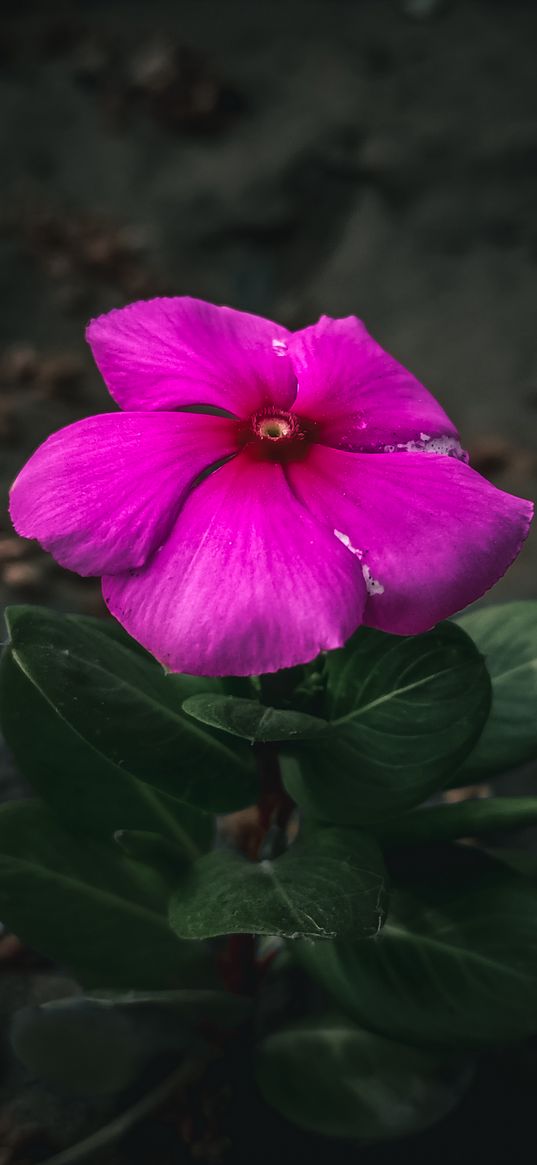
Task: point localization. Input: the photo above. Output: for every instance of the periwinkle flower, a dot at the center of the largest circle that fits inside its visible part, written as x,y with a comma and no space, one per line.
264,492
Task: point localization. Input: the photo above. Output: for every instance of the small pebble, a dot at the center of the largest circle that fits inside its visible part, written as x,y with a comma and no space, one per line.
494,455
19,364
24,576
12,549
60,373
9,428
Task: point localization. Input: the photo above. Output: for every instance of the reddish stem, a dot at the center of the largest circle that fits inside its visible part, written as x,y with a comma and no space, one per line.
237,964
275,806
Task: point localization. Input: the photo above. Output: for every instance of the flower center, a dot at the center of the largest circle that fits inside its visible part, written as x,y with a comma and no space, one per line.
274,429
271,426
274,435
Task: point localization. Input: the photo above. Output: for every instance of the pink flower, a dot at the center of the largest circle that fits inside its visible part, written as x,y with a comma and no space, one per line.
324,488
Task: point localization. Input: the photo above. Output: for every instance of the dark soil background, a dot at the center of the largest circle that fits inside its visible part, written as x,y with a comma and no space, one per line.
289,157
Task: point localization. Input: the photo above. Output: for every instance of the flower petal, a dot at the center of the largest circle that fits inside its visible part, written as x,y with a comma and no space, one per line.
430,533
173,352
247,582
102,494
360,397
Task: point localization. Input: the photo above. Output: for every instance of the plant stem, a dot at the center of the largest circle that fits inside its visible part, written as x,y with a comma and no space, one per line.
275,806
121,1124
238,964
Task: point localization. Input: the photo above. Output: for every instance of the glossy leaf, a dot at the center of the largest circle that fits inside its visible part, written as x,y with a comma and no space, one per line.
331,1077
506,635
82,786
184,685
404,712
127,710
111,628
331,881
472,818
85,905
455,964
252,720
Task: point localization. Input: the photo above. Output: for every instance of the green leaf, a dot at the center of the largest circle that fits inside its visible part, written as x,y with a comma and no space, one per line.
127,710
404,713
471,818
85,789
331,881
84,904
184,685
194,1007
455,964
114,631
251,720
80,1046
98,1044
506,634
154,850
522,861
331,1077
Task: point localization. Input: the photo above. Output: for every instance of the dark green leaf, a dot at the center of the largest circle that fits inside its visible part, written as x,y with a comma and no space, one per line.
251,720
128,710
404,713
80,1046
471,818
455,964
522,861
75,779
331,881
184,685
84,904
154,850
331,1077
194,1007
115,632
506,634
98,1044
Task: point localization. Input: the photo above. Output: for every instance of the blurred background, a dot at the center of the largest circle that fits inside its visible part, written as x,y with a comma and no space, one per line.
289,157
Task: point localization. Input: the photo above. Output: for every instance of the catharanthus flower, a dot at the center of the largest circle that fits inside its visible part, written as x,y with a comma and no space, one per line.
263,492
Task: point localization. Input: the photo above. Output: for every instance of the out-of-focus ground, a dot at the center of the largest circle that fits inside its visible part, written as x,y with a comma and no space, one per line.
290,158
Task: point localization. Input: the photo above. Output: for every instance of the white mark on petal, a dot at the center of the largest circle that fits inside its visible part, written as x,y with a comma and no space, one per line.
279,347
344,538
443,446
373,586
